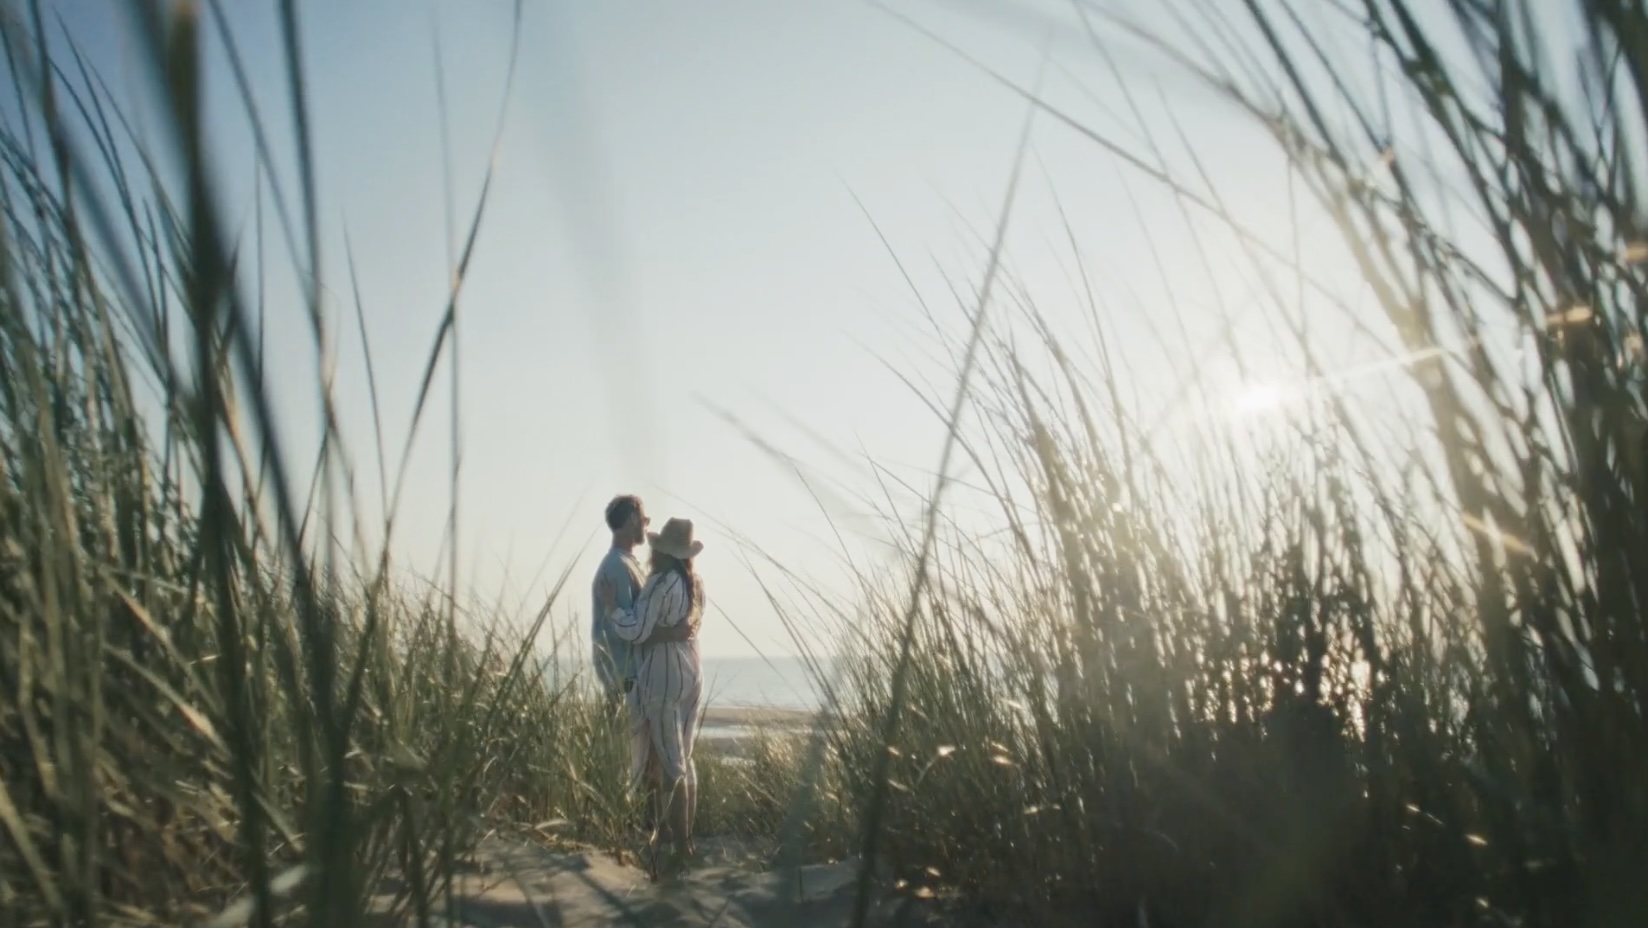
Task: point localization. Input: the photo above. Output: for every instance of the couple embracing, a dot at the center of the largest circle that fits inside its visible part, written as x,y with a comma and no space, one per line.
645,639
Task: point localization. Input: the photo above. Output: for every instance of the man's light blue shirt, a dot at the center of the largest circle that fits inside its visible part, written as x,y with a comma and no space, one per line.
614,657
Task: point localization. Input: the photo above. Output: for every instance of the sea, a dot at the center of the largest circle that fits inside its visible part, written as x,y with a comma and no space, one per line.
784,683
753,682
760,683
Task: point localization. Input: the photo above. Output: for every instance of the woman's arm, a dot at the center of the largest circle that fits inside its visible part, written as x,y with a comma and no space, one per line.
661,602
692,616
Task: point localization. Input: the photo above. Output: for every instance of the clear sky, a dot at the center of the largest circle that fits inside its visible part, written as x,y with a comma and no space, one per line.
673,226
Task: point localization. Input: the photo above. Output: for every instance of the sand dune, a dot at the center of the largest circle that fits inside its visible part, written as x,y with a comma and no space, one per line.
513,881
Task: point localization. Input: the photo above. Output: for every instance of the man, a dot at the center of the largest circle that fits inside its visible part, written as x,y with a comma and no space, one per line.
617,581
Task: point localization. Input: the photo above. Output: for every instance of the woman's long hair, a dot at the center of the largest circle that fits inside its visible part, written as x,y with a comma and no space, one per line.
662,563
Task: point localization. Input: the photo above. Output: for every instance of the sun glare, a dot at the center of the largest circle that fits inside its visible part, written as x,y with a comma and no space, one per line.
1256,399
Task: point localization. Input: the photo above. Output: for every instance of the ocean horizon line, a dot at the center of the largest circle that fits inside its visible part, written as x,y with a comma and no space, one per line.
754,683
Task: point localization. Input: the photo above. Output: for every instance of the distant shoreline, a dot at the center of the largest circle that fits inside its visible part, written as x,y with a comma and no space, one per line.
731,733
758,717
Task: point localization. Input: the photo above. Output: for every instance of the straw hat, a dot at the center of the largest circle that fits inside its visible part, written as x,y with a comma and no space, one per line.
676,540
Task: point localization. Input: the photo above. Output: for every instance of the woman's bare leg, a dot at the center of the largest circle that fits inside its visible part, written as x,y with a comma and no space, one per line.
672,756
689,740
690,800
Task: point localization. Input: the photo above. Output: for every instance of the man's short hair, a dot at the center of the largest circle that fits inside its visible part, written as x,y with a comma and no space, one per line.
620,509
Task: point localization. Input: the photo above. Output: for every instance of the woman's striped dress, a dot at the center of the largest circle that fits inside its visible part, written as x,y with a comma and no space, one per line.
663,706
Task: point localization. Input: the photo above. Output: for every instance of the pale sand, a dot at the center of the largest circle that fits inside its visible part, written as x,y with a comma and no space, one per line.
517,883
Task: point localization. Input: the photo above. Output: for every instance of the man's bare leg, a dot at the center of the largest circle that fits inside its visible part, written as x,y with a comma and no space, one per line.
653,812
656,810
679,816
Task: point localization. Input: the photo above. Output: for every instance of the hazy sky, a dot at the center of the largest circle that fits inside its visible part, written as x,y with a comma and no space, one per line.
673,224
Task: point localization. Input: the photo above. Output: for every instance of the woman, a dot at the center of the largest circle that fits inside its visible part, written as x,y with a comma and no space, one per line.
663,706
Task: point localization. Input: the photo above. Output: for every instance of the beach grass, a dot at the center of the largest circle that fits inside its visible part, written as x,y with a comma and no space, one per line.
1342,674
1346,677
219,709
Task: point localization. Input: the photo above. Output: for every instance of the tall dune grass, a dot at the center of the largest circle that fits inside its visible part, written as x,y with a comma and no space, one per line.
1366,680
208,710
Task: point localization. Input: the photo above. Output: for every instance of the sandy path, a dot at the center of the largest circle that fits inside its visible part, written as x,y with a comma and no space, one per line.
518,884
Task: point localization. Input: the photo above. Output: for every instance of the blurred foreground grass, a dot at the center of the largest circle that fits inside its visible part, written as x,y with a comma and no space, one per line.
1355,675
207,709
